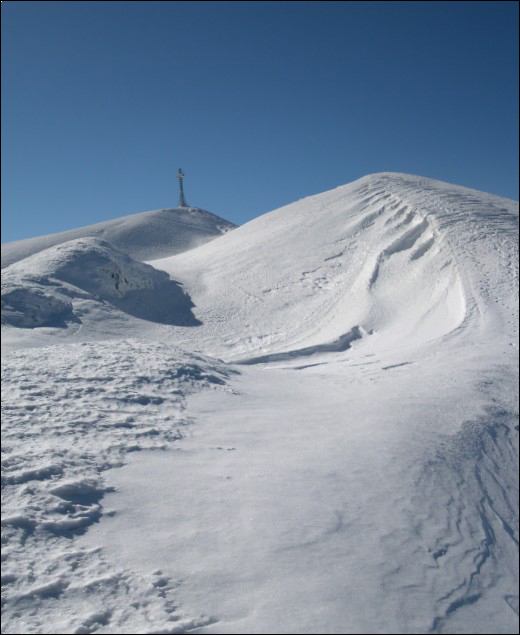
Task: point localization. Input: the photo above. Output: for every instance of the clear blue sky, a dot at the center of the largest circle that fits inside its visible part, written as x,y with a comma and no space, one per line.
261,103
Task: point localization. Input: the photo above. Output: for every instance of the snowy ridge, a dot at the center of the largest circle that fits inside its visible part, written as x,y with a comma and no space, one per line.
402,257
142,236
352,465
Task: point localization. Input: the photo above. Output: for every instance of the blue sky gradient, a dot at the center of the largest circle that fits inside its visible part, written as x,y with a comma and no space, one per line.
261,103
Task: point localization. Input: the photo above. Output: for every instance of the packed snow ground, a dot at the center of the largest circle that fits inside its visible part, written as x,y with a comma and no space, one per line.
351,467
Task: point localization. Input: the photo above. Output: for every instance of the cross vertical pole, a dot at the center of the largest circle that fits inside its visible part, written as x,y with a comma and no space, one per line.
182,200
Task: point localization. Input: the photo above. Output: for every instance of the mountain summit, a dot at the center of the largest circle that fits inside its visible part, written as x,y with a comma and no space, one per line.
143,236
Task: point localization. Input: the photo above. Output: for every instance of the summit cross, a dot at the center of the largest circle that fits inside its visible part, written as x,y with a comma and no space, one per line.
182,200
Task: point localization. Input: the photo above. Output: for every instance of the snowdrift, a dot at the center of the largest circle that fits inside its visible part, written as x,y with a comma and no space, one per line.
143,236
38,291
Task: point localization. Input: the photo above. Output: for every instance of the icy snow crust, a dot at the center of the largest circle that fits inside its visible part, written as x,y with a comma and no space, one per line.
69,414
352,465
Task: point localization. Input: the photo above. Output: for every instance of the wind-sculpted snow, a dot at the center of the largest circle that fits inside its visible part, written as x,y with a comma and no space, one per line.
403,258
33,293
341,344
143,236
358,475
470,468
337,498
69,414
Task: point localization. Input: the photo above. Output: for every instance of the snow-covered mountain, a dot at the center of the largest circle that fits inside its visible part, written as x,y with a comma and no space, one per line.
404,258
146,235
334,388
39,290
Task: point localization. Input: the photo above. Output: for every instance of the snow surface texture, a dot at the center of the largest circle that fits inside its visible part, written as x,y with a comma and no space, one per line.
146,235
38,291
68,417
351,467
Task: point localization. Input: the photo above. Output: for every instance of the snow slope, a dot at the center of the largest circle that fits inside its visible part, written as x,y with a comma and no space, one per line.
56,286
143,236
352,467
406,259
